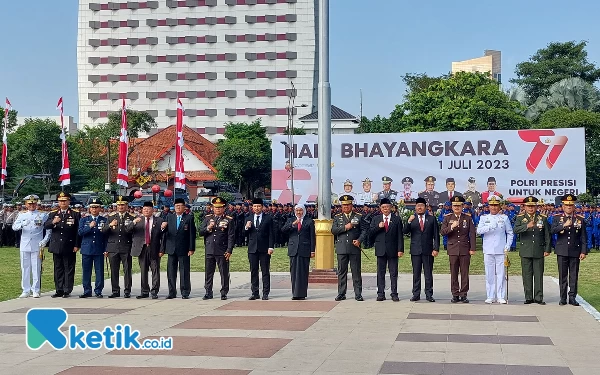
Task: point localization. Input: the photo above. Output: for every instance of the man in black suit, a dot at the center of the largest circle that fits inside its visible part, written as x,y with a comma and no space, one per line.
450,192
180,244
424,246
259,229
218,230
386,232
118,249
148,236
64,244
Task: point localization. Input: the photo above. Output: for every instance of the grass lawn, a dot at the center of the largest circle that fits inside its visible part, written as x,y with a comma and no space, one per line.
589,274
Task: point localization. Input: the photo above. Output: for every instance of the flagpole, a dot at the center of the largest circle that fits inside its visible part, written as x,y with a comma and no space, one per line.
5,148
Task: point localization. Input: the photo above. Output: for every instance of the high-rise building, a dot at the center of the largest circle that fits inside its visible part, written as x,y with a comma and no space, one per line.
227,60
490,62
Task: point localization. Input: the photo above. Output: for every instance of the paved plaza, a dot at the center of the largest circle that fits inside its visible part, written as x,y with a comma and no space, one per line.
319,335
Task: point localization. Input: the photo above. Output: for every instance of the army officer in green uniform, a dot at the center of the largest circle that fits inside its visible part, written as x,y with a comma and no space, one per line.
534,232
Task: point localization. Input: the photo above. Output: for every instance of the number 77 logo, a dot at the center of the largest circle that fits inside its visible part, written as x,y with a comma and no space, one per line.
544,140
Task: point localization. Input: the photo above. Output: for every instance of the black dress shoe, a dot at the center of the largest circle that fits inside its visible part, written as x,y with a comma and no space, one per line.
114,295
454,299
415,298
99,296
359,298
573,302
170,296
154,296
207,296
265,298
380,298
464,299
85,295
185,297
340,297
140,296
540,303
223,298
127,295
528,302
430,299
562,303
56,295
395,299
66,295
254,297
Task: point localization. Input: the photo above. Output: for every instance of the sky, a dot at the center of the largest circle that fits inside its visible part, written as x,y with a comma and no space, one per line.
372,45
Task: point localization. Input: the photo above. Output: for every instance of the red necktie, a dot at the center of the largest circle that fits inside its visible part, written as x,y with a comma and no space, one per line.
450,195
299,225
386,225
421,222
147,231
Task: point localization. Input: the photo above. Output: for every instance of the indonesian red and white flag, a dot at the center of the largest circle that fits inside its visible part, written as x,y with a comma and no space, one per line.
122,173
65,174
179,170
5,143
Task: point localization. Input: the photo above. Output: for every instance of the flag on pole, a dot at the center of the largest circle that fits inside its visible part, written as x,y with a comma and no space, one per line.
5,143
179,170
122,173
65,174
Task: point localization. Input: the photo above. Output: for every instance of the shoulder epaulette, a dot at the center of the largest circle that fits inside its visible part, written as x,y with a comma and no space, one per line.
209,215
74,210
448,214
54,210
542,215
555,215
357,214
521,215
229,217
580,216
466,213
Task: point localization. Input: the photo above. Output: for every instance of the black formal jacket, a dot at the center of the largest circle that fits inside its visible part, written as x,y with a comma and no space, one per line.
157,243
262,238
571,241
300,243
388,243
183,239
65,234
220,239
423,242
119,238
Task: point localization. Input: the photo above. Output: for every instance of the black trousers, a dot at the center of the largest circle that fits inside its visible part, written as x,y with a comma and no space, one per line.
264,261
115,260
64,272
391,263
355,266
8,235
210,263
183,263
568,275
147,263
425,263
299,275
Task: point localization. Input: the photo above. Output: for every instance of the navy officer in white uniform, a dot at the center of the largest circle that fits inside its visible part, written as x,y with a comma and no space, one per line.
31,223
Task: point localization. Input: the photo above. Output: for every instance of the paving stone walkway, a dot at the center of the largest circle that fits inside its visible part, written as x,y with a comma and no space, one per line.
319,335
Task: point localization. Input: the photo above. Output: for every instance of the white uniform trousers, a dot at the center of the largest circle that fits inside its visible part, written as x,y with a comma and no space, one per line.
30,269
495,276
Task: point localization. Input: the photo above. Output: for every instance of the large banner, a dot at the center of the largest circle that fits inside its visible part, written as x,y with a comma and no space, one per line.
436,166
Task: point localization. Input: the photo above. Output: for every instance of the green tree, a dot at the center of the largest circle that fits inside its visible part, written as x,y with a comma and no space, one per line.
35,147
295,131
417,82
87,156
12,121
244,156
137,122
573,93
552,64
464,101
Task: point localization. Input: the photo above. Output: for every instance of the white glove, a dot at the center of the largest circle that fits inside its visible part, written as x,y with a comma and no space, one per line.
42,244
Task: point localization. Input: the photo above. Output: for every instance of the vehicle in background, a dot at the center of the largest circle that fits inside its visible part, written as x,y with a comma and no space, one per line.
201,202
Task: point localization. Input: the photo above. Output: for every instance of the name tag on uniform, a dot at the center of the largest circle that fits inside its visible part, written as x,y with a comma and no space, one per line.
70,221
185,227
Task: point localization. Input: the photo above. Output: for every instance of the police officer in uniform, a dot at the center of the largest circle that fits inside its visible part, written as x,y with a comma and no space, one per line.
64,244
118,249
570,248
387,191
93,245
431,196
534,232
350,231
218,231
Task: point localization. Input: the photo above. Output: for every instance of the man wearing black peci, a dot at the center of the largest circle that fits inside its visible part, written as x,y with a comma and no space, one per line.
424,246
386,233
180,245
259,229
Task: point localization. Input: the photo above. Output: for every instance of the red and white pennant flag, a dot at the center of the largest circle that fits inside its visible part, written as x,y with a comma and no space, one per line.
5,143
65,174
122,173
179,170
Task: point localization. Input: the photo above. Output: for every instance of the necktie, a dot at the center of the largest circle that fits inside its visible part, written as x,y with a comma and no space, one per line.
450,195
386,225
178,221
421,223
257,221
299,224
147,231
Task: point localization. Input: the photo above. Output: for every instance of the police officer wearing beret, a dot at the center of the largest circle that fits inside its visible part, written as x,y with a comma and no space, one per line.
218,231
429,194
64,244
350,231
571,248
534,232
93,245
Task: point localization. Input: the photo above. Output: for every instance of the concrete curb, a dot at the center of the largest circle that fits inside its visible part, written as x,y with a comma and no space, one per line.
586,306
